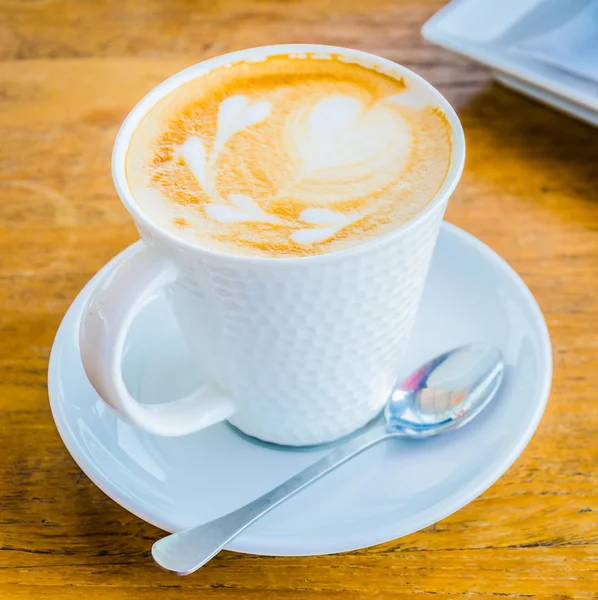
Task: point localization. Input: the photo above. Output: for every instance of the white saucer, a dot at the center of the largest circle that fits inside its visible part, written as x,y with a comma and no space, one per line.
390,491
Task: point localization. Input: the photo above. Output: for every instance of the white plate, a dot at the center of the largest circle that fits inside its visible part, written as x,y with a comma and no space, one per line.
488,32
390,491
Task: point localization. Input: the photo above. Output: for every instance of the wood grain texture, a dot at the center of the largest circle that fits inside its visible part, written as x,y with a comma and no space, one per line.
69,73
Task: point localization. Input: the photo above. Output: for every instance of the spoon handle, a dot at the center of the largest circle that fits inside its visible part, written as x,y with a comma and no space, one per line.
186,551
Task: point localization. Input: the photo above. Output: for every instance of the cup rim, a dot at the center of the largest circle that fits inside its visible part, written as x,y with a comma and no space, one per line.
135,116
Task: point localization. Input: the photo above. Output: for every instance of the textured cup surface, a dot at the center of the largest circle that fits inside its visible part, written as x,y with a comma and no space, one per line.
309,356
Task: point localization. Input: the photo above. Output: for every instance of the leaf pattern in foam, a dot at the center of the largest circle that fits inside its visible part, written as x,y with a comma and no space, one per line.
333,222
244,209
328,123
235,113
194,153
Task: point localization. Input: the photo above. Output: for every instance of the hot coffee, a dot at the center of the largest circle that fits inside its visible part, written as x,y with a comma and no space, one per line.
291,155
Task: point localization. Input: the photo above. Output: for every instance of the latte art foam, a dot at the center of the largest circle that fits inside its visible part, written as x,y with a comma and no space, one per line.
289,156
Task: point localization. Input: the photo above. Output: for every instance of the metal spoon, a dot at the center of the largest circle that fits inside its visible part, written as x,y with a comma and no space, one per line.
442,395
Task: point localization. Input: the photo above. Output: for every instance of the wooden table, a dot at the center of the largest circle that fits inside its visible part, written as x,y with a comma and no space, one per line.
69,73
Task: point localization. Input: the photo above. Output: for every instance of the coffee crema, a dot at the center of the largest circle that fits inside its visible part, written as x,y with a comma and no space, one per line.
293,155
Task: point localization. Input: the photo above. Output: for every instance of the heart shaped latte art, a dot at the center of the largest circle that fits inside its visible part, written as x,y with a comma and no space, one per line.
346,150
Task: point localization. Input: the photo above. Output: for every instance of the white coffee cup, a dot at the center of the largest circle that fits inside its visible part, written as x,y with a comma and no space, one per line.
294,351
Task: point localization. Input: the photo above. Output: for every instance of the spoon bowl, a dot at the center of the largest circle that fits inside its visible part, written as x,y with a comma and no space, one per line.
445,393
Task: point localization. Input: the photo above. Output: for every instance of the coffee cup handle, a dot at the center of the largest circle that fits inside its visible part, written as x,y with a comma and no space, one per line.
107,316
